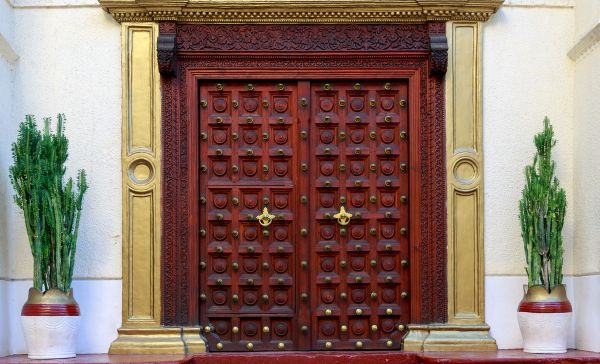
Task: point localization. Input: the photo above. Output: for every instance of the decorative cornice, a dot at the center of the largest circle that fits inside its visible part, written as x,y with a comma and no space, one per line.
586,43
300,11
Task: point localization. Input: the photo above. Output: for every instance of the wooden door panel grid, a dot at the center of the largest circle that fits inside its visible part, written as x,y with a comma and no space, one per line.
247,270
359,284
303,150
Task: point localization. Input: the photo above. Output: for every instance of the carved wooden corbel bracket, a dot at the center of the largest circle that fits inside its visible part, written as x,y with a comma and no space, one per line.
438,43
165,48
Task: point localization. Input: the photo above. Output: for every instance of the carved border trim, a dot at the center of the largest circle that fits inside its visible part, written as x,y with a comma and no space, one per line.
307,42
299,11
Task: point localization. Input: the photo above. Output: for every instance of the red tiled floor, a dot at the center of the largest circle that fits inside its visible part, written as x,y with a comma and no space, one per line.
395,357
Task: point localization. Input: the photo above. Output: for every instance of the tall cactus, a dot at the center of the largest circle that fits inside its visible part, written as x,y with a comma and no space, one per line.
542,215
51,208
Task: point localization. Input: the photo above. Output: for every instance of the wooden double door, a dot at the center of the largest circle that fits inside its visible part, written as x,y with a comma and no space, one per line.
304,214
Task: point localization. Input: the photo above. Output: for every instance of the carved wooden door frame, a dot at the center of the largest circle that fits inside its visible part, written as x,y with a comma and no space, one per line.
195,57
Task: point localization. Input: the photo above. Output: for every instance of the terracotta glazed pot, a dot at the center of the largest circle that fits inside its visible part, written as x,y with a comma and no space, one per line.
545,319
50,322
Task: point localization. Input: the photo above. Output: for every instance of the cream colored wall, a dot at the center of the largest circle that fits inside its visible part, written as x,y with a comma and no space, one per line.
70,63
526,76
587,134
7,65
586,54
587,15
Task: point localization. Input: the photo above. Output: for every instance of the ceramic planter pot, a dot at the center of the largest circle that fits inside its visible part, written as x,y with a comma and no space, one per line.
545,319
50,322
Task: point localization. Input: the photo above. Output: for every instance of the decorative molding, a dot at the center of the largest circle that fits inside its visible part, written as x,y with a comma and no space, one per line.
6,51
590,40
300,11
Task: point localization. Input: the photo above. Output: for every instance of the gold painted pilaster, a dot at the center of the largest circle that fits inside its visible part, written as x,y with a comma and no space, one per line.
466,329
141,330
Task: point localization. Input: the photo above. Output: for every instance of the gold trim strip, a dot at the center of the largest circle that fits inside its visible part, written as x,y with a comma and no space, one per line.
300,11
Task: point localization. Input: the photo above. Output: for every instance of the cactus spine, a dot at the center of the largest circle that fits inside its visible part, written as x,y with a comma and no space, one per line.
542,215
51,208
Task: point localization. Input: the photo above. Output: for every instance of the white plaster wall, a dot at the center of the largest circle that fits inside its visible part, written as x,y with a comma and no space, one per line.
587,154
587,318
587,179
4,308
526,76
69,62
7,60
587,14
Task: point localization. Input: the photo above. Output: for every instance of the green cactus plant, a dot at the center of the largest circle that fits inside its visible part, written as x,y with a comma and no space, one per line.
51,208
542,215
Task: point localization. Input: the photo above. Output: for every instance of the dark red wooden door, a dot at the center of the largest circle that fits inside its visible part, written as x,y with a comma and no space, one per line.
278,162
360,278
248,161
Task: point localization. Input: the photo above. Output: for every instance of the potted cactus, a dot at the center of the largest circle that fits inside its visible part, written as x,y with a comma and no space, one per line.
52,210
544,313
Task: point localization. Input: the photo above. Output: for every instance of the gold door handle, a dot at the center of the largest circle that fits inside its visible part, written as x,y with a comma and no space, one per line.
265,218
343,217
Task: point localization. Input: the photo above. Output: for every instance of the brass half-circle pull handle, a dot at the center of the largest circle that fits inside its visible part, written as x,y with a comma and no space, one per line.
343,217
265,218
